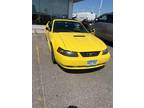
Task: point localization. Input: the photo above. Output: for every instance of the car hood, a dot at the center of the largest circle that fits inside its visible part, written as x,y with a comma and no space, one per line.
81,42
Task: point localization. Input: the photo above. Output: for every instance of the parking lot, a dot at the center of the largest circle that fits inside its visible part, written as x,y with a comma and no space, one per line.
54,87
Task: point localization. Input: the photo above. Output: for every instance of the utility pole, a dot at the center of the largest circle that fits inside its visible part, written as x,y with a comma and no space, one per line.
101,3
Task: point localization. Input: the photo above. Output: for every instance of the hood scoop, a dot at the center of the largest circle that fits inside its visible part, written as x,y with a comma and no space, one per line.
79,36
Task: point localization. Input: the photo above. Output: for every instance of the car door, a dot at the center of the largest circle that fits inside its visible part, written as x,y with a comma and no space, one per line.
100,26
104,27
48,30
109,27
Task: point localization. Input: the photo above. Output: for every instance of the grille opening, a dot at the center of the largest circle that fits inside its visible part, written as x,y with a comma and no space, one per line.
90,54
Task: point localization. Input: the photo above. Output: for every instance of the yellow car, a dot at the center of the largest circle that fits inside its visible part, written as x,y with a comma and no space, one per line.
73,47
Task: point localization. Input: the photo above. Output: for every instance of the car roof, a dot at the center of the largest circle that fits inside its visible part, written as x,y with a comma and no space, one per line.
111,13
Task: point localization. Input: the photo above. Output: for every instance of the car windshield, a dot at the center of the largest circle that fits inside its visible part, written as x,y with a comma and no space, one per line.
68,26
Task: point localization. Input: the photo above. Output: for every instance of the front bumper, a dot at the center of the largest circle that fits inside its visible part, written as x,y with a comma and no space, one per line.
81,62
81,67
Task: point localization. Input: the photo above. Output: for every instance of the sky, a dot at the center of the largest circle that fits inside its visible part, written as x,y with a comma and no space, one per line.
93,6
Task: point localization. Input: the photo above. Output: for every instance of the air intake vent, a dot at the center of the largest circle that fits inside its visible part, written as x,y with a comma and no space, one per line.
79,36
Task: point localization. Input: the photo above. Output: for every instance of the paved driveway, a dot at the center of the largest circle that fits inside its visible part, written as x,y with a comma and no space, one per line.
55,88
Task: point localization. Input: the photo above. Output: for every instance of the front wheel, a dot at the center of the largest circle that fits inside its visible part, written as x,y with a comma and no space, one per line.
52,56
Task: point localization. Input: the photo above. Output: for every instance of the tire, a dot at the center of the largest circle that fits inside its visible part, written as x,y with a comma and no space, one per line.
52,56
45,37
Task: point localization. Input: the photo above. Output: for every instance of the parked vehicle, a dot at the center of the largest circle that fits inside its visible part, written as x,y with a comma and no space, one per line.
103,26
90,16
73,47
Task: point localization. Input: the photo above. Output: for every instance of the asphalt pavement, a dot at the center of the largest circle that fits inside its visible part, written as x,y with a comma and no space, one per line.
54,87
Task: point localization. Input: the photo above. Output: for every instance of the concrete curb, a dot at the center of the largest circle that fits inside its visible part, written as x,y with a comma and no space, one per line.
38,28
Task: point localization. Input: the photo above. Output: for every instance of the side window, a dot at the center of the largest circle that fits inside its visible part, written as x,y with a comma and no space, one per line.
102,18
110,19
50,25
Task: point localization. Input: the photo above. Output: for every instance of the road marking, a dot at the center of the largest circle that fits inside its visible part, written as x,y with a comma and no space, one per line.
38,55
41,74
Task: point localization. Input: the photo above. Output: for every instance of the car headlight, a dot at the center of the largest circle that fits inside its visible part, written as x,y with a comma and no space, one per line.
67,53
105,51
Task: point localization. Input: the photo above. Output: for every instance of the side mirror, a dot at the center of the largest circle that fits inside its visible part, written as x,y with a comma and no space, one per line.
47,28
92,30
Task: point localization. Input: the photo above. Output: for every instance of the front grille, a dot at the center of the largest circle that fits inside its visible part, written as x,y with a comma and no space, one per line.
90,54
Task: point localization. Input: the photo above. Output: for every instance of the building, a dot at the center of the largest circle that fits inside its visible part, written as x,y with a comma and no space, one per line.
56,8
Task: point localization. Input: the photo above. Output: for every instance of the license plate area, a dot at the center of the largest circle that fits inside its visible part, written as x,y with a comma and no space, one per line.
91,62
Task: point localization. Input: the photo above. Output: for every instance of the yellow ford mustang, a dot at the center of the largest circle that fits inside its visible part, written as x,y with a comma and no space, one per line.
73,47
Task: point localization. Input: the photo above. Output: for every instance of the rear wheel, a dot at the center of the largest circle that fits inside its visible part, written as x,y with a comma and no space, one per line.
52,56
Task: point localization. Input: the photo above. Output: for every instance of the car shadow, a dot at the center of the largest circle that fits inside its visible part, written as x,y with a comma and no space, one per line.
81,71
